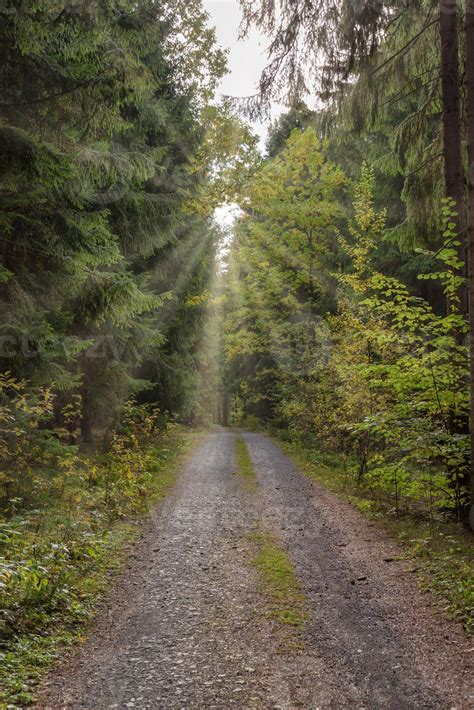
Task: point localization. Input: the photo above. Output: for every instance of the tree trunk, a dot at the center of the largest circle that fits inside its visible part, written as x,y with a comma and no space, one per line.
452,144
225,409
454,174
86,416
470,163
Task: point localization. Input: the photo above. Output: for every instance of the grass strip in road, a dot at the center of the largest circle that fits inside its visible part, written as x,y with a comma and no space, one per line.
286,603
245,469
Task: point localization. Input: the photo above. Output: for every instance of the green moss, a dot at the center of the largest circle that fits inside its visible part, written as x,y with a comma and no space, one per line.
285,601
245,469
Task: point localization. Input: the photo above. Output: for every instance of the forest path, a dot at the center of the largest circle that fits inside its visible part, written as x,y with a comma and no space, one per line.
186,625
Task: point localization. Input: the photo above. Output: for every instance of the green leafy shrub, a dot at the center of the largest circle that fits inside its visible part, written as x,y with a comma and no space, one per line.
64,528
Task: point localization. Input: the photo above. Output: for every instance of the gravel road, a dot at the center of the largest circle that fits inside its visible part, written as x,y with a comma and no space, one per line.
185,626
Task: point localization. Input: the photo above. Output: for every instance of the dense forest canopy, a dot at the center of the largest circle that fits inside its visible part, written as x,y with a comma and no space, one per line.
107,172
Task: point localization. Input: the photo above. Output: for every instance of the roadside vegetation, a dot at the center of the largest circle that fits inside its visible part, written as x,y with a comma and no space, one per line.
348,357
361,374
